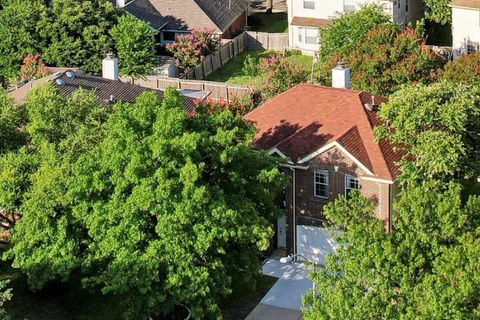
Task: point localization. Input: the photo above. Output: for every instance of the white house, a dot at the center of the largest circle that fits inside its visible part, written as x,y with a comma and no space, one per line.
465,26
305,17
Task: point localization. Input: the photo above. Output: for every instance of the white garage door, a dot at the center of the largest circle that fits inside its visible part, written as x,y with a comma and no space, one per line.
314,243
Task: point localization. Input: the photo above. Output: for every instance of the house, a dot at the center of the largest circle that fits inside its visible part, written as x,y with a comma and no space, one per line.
107,88
173,17
306,17
465,26
325,135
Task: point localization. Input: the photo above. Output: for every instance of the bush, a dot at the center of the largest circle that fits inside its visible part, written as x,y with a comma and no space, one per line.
466,69
33,66
250,66
281,75
191,48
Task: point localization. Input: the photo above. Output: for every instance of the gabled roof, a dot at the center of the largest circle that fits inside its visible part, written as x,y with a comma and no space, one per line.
101,87
309,118
187,14
467,4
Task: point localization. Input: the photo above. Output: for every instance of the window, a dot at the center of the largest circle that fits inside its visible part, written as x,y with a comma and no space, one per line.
311,36
349,5
168,36
320,184
308,4
300,34
351,183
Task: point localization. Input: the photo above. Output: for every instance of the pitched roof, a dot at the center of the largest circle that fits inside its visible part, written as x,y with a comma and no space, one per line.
101,87
310,22
469,4
187,14
308,117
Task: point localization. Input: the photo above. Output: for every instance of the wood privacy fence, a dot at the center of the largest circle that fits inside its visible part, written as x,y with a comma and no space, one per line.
218,90
230,49
266,41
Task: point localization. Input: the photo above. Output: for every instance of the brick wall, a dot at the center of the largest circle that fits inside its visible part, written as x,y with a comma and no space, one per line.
309,209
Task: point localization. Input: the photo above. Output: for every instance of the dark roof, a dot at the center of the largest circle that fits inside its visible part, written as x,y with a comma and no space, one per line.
187,14
307,117
310,22
104,88
144,10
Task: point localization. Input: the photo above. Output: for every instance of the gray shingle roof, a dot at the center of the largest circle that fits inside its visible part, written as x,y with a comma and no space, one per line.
104,88
188,14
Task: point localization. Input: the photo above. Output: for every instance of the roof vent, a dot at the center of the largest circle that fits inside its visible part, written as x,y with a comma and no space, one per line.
60,82
70,74
368,106
111,98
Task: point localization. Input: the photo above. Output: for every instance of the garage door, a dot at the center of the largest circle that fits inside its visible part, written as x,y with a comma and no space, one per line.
314,243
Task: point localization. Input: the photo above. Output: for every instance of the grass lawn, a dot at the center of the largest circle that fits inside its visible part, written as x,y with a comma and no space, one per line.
232,71
272,23
68,301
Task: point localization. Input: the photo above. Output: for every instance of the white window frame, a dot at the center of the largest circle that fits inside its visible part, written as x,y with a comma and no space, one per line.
316,36
318,184
310,6
301,34
349,177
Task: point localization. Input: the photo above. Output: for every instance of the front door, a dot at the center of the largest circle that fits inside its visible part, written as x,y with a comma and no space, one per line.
281,232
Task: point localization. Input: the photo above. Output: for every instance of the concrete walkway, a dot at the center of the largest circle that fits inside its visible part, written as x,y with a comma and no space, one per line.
283,300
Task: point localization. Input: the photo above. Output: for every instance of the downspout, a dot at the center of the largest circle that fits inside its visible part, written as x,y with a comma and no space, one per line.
294,213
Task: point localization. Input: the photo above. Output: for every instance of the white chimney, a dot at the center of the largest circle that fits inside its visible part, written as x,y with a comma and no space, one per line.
121,3
341,77
110,67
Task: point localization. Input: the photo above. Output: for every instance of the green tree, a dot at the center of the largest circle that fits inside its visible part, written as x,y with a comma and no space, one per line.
18,34
438,11
465,69
347,31
134,43
438,126
76,33
385,60
160,207
5,295
10,120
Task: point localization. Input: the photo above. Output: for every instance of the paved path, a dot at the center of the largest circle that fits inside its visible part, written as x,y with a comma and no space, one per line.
283,300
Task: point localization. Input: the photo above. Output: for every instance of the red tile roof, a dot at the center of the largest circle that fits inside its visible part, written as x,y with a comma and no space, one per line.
308,117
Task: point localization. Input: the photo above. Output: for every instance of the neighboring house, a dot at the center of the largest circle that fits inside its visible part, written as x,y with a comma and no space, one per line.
465,26
108,88
172,17
326,137
306,17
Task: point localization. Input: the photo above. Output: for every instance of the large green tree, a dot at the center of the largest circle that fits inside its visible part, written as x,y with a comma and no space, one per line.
155,205
438,11
76,33
347,31
18,34
134,43
426,267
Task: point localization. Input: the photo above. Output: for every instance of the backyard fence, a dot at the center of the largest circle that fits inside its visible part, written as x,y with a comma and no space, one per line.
266,41
229,50
218,90
216,60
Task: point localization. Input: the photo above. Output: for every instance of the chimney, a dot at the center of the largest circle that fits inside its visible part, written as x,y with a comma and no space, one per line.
110,67
121,3
341,76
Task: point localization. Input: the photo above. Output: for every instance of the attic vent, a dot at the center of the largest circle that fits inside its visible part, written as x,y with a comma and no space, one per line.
60,82
111,98
70,74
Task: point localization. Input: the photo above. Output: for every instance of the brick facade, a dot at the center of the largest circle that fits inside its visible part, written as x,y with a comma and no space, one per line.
309,208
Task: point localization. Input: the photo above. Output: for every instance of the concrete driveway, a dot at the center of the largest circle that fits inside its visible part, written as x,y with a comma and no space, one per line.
283,300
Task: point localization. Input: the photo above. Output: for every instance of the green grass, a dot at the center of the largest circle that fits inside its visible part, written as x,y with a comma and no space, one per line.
272,23
68,301
232,71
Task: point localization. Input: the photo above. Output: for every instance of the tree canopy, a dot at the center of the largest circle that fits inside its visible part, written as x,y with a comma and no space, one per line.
158,206
426,267
465,69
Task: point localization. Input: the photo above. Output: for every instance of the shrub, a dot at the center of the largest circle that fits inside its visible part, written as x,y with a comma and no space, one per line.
250,66
33,66
190,49
238,105
466,69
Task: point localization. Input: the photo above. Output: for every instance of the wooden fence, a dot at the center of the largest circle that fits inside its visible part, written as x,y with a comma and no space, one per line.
215,61
266,41
218,90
